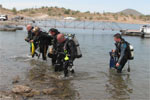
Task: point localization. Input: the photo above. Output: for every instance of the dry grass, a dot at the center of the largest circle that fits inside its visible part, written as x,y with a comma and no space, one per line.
60,13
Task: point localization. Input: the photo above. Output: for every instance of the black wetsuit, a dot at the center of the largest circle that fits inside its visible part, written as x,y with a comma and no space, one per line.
70,48
54,43
122,54
30,35
43,40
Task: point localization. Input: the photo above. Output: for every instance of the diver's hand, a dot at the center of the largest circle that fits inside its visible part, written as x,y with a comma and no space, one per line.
51,50
113,50
117,65
31,41
26,39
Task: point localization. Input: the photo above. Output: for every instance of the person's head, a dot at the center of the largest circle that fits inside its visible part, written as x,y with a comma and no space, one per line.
29,27
117,37
53,31
61,38
36,30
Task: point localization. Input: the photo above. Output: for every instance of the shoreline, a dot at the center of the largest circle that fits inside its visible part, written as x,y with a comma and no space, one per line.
21,22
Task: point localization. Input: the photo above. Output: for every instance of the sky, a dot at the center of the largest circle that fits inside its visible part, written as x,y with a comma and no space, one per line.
142,6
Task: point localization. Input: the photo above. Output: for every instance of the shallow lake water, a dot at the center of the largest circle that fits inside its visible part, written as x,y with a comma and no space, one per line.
93,79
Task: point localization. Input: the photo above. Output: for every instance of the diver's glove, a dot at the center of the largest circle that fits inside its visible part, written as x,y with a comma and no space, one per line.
26,39
70,62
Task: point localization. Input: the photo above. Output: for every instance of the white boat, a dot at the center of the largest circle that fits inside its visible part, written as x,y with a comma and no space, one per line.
69,18
145,29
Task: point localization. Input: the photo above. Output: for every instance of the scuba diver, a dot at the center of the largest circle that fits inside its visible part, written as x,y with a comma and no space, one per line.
123,53
67,51
52,54
30,35
41,40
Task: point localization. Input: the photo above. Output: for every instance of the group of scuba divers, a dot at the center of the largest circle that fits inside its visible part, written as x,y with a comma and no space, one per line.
64,49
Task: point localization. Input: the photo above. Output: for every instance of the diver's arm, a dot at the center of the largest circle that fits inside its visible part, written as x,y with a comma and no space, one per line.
35,39
72,50
47,37
122,53
28,37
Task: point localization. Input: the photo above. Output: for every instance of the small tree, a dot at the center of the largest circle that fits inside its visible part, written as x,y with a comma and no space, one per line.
49,13
14,11
67,12
59,14
32,12
122,14
87,12
134,17
124,19
49,9
77,11
78,18
98,13
91,18
73,13
115,17
42,7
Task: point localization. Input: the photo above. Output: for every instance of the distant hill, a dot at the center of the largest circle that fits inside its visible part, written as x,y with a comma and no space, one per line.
125,16
131,12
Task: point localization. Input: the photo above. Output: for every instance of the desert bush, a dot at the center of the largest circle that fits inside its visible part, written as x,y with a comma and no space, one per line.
14,10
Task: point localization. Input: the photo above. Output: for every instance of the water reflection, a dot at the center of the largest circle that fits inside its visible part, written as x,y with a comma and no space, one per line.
117,86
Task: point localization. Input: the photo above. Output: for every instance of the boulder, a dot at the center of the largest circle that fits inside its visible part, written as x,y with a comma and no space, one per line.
60,85
21,89
16,79
49,91
35,92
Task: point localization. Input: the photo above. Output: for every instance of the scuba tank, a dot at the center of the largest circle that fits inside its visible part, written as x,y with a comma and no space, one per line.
131,57
72,37
79,54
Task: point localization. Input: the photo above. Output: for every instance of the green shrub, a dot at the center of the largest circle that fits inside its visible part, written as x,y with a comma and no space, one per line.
67,11
14,11
91,18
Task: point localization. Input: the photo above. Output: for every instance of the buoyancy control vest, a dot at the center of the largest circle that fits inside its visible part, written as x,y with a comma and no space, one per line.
72,37
129,52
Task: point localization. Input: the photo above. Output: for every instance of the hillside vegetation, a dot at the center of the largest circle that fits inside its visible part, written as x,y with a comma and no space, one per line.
125,16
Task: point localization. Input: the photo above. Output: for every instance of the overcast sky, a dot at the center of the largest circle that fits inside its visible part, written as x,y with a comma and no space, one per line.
142,6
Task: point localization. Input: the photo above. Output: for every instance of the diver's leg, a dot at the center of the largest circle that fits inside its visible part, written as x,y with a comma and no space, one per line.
53,59
35,53
65,66
57,64
122,64
43,51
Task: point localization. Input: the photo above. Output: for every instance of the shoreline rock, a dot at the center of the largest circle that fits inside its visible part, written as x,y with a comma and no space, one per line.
10,28
19,89
16,80
49,91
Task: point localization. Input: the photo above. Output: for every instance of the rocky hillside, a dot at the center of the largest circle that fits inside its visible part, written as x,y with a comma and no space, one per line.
125,16
131,12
